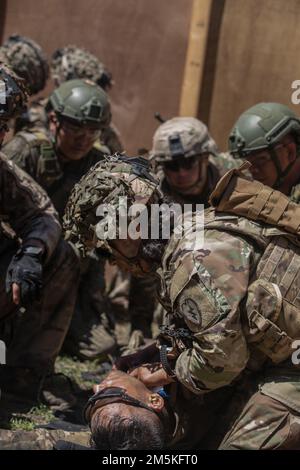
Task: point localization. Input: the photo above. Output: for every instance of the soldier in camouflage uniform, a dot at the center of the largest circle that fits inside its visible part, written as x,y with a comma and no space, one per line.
39,272
28,60
232,302
78,110
187,160
74,62
265,136
68,63
189,166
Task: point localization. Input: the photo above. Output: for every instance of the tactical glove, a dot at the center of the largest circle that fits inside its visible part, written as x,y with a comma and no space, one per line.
25,269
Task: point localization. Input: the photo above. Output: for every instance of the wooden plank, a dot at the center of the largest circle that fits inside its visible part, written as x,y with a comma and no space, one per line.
258,59
195,58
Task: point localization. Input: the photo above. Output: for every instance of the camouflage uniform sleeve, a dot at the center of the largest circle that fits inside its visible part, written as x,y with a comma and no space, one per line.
209,305
18,150
26,206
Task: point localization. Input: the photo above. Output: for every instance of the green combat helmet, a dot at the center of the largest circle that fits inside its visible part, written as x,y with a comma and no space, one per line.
181,137
262,127
82,102
13,94
27,60
106,185
72,62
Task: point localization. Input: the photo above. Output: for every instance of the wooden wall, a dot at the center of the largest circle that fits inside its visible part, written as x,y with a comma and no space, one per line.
258,57
252,54
143,43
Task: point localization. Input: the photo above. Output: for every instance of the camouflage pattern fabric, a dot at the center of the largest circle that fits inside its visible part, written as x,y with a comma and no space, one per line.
27,60
194,139
26,210
34,152
264,424
73,62
204,290
90,332
40,439
26,213
35,336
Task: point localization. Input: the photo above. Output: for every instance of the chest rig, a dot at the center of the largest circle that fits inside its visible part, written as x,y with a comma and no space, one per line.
271,310
48,169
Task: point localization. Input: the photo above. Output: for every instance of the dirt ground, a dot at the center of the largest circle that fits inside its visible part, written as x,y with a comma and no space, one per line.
26,416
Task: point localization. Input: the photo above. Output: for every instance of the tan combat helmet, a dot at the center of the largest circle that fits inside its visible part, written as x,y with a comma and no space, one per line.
27,59
73,62
181,137
105,185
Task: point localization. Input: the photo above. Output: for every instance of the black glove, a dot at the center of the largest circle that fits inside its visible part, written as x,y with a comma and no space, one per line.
25,269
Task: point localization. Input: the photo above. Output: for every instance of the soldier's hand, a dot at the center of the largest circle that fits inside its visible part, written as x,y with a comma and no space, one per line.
152,375
24,275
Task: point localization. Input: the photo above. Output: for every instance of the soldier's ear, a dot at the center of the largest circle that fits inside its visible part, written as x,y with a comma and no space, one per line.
156,402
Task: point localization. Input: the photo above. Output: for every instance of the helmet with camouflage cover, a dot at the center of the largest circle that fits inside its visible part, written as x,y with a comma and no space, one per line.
261,127
27,59
106,185
82,102
72,62
13,94
181,137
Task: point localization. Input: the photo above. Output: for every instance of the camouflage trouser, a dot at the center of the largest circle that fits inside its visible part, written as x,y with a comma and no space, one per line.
40,439
34,337
267,423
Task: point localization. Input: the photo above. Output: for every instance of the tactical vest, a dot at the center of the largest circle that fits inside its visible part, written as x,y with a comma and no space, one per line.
49,169
271,310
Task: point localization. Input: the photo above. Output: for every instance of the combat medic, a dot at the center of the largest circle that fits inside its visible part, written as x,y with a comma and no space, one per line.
39,271
232,300
268,136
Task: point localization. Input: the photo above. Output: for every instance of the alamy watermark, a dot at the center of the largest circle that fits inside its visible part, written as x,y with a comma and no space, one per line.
154,221
295,97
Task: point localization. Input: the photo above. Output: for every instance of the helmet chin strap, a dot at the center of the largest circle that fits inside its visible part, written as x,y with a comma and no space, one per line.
197,187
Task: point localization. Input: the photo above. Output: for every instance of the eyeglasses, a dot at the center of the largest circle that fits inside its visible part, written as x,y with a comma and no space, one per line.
77,131
185,163
112,395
